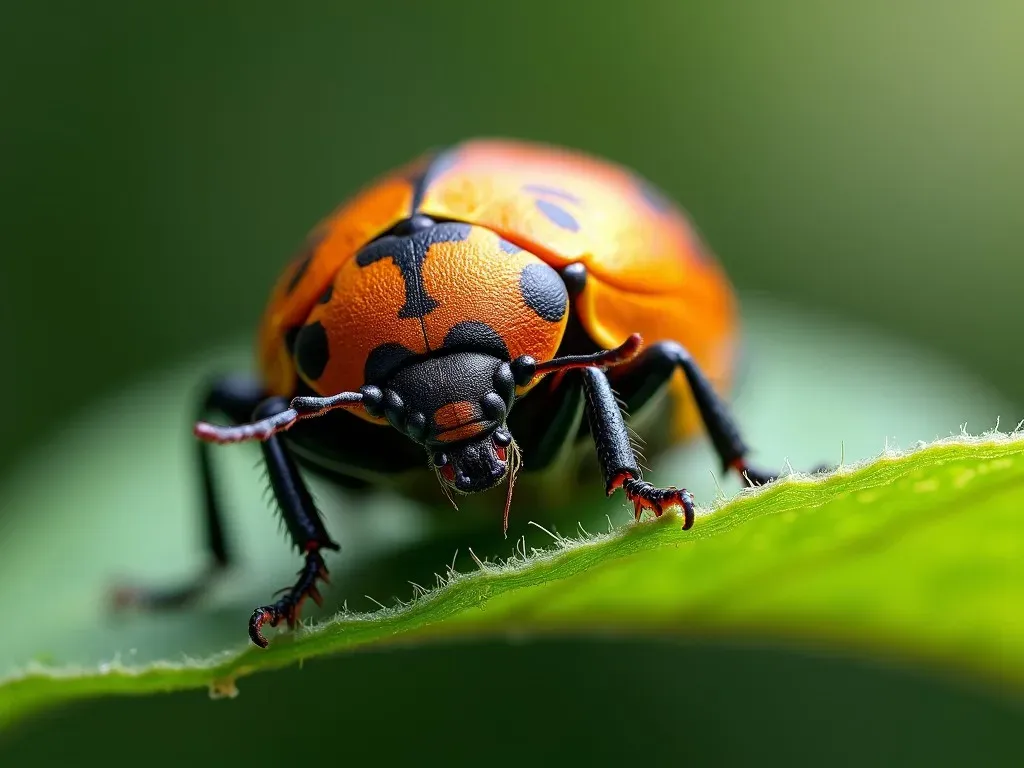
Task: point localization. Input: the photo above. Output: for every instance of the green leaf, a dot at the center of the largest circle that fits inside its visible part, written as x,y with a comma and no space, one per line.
926,569
919,555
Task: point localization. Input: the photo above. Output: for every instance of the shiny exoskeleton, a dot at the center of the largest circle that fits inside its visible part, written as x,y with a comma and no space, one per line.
415,327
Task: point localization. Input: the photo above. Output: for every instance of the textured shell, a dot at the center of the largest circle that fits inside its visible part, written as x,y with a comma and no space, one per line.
453,286
648,270
332,243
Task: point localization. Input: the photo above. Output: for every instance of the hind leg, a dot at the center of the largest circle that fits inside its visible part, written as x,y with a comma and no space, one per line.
653,370
236,398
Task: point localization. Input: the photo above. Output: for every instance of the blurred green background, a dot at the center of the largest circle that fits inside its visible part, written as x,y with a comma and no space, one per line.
161,160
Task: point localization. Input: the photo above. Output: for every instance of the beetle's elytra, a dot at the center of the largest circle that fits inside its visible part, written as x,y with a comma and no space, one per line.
421,312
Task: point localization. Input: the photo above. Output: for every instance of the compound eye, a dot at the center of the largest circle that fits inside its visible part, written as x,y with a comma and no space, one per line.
444,465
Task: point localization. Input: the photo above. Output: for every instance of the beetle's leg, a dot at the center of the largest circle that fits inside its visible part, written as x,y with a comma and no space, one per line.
304,525
616,456
544,425
654,368
235,397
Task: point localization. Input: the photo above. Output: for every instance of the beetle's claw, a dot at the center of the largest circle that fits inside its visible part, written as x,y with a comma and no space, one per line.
288,607
644,495
260,617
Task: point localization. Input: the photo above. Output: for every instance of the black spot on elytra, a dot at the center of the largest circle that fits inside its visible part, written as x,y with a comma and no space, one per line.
654,197
383,361
557,215
325,297
408,253
300,271
541,189
289,338
543,291
508,247
311,350
474,336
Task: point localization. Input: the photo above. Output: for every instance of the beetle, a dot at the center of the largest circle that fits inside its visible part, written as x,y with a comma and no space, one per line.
475,311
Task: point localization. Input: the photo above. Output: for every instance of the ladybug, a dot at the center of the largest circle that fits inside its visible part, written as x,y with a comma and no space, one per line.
473,313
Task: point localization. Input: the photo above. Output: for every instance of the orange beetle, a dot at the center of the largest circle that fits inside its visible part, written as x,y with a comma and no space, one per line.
415,328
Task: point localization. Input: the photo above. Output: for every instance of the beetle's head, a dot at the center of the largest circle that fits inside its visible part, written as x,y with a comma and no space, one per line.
474,465
455,406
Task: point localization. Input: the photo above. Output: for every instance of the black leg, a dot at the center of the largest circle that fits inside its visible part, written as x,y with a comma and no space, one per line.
304,526
615,452
547,422
652,371
242,399
235,397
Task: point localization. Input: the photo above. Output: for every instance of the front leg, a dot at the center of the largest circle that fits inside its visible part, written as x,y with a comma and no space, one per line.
616,456
653,370
304,525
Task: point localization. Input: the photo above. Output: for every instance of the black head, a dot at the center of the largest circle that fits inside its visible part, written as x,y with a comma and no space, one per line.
474,465
455,405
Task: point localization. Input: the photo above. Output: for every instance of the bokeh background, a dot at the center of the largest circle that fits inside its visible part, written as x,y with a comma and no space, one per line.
859,161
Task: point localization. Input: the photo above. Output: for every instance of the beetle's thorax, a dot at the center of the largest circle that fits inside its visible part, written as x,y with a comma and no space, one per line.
448,397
